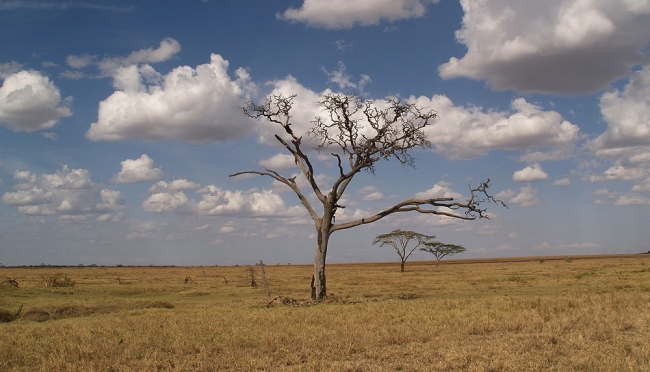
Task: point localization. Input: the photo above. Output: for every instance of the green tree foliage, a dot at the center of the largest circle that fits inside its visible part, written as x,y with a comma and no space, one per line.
400,239
440,250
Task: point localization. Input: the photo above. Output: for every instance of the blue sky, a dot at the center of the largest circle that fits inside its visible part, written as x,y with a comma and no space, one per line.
120,122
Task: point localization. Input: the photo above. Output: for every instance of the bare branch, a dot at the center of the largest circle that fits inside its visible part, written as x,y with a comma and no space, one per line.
472,207
291,182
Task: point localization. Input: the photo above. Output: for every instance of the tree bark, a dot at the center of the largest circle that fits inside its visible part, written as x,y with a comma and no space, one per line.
402,266
318,280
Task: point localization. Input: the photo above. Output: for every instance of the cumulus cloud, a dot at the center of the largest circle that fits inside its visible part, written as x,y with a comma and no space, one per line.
562,182
468,132
439,190
279,162
29,101
370,193
626,141
458,132
137,170
66,192
627,114
554,46
194,105
216,201
632,199
530,174
342,14
620,173
166,202
527,196
9,68
174,186
305,110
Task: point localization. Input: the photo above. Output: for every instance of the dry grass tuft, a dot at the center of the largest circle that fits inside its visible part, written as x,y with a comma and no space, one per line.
58,280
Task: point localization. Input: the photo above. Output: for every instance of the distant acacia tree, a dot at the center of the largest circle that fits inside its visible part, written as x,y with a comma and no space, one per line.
359,133
440,250
400,239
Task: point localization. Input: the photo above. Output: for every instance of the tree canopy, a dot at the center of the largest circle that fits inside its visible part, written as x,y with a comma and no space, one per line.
400,239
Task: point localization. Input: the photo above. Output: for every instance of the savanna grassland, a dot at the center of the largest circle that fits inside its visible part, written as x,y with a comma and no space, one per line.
588,313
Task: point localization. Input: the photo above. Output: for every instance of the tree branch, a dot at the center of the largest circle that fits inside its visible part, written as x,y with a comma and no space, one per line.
289,182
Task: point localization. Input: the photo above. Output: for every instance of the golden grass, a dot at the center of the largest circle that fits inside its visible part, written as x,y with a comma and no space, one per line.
539,314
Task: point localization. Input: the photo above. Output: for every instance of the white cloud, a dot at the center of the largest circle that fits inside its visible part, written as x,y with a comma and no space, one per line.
305,109
620,173
80,61
50,135
266,203
457,132
439,190
527,197
554,46
627,114
529,174
371,193
108,66
174,186
9,68
579,245
465,133
642,185
29,102
344,81
279,162
137,170
168,197
632,199
166,202
341,14
66,192
195,105
562,182
543,245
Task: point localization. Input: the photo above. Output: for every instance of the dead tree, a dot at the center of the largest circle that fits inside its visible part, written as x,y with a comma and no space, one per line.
252,274
266,285
358,133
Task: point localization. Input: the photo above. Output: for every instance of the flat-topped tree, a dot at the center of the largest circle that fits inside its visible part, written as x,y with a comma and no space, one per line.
440,250
400,239
359,133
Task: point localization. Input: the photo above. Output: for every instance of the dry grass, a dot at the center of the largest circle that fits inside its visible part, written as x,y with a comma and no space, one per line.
551,314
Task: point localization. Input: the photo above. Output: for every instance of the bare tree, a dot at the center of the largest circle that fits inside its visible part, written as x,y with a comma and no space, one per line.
362,133
400,239
440,250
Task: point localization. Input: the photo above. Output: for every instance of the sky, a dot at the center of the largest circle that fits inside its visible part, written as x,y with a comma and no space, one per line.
121,121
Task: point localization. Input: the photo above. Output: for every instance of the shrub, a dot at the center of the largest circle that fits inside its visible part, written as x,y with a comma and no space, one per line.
58,280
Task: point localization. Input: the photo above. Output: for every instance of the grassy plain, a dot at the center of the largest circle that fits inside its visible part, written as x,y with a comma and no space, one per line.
590,313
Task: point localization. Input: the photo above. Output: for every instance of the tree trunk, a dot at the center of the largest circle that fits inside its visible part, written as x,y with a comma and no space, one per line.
318,281
402,266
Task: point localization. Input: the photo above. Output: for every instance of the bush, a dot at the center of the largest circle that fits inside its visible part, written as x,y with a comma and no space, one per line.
58,280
